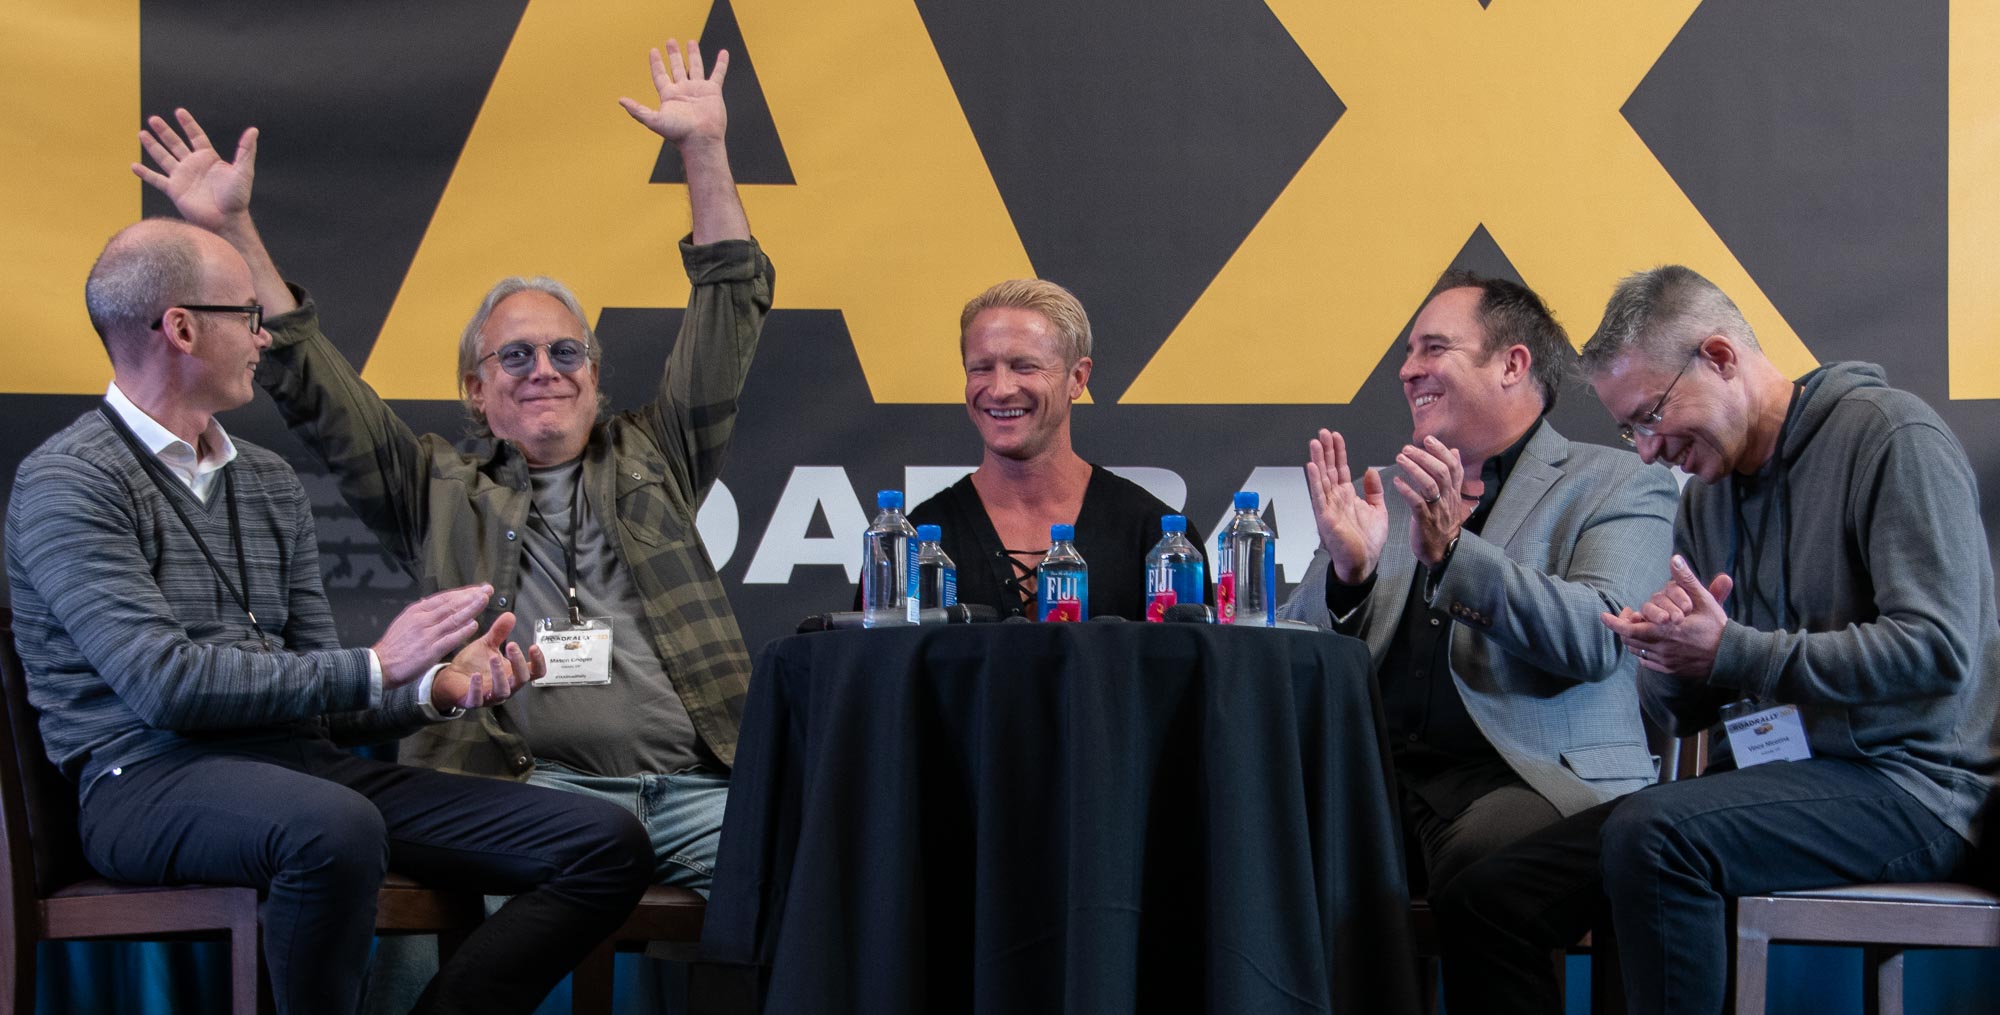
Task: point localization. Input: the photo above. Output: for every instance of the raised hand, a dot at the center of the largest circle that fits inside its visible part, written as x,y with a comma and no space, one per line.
1433,476
206,191
1679,629
1353,525
691,110
427,629
488,670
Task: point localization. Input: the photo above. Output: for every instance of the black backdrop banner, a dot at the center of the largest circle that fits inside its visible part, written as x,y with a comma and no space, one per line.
1250,199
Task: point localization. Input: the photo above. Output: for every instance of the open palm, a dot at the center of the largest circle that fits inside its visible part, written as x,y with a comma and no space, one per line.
206,191
1353,525
691,106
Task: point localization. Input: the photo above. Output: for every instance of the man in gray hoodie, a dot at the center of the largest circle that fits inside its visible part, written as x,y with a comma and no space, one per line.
1839,521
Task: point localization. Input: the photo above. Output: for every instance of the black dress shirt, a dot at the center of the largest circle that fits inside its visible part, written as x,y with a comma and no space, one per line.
1438,750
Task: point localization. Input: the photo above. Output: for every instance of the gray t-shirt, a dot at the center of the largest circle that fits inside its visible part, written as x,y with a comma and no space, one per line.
634,725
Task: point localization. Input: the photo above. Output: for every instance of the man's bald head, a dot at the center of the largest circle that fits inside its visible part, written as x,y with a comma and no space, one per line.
144,269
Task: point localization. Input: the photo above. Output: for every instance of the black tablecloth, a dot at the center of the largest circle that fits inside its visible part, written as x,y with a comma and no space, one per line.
1089,818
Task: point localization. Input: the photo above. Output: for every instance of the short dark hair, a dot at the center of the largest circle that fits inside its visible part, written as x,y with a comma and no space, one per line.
1512,315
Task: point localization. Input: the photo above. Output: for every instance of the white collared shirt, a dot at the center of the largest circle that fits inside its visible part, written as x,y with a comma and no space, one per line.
183,461
199,474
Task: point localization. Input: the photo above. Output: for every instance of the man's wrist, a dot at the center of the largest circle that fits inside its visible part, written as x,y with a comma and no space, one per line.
429,707
1444,559
1344,597
1435,576
698,146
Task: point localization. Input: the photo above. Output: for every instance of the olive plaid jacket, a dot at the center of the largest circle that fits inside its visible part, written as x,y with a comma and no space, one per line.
451,517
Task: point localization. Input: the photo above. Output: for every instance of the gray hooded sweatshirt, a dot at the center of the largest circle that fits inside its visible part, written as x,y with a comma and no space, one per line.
1864,592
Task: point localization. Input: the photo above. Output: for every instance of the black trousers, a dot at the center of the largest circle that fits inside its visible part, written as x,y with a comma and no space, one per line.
315,828
1665,860
1443,847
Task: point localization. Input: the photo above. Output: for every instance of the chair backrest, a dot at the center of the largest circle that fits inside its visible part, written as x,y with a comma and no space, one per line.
37,802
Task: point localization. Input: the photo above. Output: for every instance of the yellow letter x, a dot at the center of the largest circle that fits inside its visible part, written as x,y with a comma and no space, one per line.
1456,116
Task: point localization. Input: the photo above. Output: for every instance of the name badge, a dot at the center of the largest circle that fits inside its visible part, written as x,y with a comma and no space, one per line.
1774,733
579,655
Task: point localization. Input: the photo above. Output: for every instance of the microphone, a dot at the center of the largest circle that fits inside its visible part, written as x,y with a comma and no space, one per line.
1188,613
962,613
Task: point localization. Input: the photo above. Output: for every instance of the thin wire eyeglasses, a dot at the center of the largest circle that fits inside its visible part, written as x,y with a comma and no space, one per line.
1631,432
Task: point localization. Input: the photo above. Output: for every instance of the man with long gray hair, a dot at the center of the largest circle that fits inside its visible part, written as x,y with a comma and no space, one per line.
1845,630
583,524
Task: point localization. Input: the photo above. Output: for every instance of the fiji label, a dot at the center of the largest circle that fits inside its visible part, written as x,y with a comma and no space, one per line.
1063,597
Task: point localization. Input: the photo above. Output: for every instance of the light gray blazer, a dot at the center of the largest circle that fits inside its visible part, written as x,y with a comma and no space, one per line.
1578,530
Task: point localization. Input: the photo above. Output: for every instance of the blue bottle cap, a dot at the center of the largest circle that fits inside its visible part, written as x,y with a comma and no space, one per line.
1246,500
1173,523
1061,533
886,499
929,533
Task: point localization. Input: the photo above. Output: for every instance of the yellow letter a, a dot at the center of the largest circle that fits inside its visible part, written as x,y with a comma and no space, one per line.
894,221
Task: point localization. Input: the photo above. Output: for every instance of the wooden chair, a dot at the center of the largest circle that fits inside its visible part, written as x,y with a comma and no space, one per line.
49,893
663,914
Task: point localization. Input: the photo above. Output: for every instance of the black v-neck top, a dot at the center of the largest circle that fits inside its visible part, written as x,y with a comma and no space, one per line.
1118,524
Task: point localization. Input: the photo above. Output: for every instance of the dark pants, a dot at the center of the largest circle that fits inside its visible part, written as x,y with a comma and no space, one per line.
315,828
1447,846
1665,860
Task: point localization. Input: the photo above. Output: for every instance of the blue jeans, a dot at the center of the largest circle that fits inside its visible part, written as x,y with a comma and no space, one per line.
682,813
1665,861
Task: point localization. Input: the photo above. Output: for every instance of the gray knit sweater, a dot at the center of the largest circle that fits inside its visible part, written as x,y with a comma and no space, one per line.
1864,592
132,645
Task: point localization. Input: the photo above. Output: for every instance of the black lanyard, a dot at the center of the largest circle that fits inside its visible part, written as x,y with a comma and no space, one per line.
1748,594
569,544
164,482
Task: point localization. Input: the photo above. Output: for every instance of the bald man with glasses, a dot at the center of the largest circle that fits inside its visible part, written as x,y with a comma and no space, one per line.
182,656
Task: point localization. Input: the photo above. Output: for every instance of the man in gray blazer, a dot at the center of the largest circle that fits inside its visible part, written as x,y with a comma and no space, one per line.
1508,704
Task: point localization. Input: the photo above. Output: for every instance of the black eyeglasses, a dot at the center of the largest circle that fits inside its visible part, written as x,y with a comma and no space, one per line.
518,358
254,310
1631,432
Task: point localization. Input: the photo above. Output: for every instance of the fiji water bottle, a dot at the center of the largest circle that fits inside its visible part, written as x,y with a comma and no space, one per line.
1246,568
934,578
886,549
1062,584
1173,569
